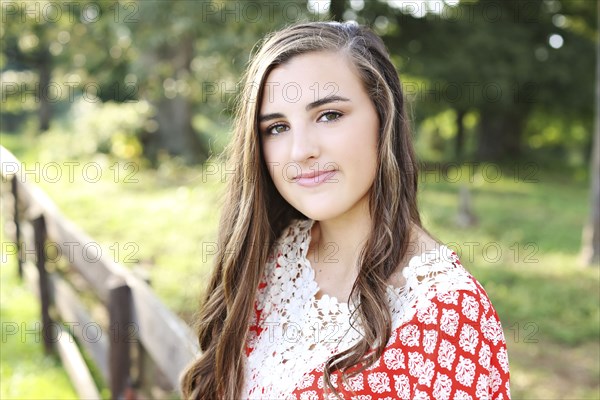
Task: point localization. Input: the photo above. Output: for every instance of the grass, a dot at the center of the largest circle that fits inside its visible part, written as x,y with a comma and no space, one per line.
26,372
523,250
548,303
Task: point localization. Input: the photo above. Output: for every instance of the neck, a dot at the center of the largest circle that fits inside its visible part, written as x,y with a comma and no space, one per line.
337,242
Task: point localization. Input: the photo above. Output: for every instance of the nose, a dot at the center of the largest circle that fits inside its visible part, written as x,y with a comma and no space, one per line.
305,144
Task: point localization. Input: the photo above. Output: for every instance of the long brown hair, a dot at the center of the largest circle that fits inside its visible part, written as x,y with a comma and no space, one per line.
255,214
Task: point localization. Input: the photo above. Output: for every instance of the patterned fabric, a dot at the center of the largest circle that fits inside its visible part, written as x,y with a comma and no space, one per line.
446,343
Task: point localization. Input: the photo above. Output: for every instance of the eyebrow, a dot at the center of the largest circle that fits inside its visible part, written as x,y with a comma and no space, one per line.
310,106
325,100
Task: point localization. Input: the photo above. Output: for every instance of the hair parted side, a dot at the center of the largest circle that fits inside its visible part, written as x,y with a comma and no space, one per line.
255,214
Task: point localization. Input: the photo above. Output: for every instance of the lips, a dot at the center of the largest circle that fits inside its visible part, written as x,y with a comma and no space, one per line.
314,178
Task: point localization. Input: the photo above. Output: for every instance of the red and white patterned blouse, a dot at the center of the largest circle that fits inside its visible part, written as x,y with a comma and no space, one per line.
446,343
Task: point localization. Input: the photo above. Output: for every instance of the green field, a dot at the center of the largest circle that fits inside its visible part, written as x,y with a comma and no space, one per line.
25,371
523,250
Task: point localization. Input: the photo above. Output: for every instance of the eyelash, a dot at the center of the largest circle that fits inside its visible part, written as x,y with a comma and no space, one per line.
275,125
339,114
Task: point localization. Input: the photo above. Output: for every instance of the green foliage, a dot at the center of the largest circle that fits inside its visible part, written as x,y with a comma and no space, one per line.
452,57
83,46
107,128
504,60
435,135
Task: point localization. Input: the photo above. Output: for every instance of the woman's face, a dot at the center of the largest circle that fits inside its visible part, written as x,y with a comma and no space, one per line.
319,132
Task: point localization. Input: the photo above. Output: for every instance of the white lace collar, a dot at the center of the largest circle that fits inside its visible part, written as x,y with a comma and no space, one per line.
300,332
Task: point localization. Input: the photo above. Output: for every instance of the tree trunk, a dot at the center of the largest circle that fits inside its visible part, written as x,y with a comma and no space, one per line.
460,134
45,109
499,135
175,132
590,249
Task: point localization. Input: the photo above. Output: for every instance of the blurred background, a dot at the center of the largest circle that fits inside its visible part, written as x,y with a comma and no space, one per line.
503,97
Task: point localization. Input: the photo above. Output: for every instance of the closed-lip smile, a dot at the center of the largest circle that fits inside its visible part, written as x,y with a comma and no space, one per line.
314,178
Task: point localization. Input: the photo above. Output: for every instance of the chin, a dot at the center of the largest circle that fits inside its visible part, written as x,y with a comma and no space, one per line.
327,206
319,213
315,213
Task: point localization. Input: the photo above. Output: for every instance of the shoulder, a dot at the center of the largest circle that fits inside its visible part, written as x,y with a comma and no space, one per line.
449,339
421,249
434,282
430,273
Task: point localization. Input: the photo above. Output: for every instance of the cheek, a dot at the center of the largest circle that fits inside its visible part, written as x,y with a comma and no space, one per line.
266,151
362,147
273,164
366,167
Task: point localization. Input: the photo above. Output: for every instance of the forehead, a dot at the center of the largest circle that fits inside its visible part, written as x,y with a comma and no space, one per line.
309,77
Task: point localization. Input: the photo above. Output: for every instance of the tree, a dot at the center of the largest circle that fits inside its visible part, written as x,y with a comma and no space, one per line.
495,58
164,35
337,9
590,251
183,57
26,45
44,42
197,51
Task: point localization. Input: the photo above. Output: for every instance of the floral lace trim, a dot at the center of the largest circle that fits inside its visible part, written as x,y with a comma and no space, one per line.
300,332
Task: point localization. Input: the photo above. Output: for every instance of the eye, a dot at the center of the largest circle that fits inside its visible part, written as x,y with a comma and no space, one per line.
276,129
329,116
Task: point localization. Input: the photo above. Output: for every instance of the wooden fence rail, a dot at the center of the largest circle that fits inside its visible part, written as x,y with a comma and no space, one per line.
138,322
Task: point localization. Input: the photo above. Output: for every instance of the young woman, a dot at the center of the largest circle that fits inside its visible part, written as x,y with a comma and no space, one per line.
325,283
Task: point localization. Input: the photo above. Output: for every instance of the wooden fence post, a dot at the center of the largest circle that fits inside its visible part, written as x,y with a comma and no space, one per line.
39,229
121,323
137,318
15,193
140,356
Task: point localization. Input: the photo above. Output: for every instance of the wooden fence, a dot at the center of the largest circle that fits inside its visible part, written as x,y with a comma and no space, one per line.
141,347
